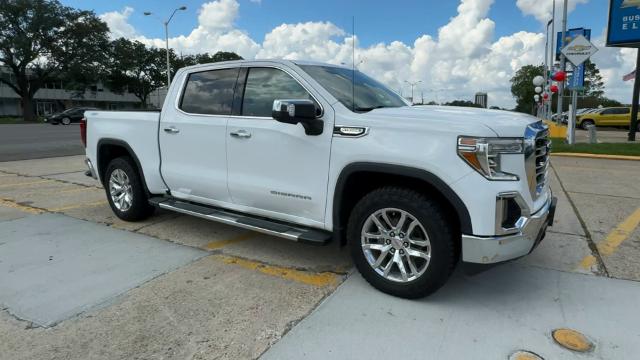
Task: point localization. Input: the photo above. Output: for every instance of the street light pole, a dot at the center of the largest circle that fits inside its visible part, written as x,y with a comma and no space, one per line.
412,85
546,69
166,39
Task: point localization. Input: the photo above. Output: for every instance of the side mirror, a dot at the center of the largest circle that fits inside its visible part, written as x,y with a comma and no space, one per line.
296,111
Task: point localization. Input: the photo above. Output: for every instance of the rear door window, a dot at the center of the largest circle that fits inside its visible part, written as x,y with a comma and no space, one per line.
209,92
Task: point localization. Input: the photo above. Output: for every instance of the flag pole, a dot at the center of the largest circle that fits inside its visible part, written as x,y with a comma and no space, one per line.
633,126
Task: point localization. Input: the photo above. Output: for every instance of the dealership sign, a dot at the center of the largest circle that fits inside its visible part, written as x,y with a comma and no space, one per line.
624,23
579,50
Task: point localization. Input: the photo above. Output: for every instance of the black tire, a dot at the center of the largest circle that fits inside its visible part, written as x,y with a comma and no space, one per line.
140,208
65,121
586,123
431,216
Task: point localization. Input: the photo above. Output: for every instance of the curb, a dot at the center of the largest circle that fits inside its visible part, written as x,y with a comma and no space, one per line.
598,156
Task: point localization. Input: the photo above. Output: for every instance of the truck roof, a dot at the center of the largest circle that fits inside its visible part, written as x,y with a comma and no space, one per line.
278,61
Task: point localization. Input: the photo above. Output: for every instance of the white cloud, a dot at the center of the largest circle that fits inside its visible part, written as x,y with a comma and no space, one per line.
542,10
118,23
462,59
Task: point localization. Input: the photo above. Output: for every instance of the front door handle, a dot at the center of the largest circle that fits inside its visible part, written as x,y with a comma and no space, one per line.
240,134
171,130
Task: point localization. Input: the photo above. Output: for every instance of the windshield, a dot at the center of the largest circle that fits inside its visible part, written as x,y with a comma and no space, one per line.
368,95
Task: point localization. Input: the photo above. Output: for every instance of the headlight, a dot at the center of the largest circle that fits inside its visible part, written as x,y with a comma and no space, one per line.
483,154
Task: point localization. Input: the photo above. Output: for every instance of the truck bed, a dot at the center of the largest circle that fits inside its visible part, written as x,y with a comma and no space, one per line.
136,129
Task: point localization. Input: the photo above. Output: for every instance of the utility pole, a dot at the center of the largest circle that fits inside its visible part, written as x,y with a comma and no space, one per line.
412,85
563,60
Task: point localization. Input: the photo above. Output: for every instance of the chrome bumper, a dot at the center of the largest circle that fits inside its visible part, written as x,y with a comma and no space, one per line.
495,249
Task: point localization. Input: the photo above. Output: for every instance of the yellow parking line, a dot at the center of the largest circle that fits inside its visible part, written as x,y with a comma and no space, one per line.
616,237
305,277
25,183
222,243
78,206
77,189
24,208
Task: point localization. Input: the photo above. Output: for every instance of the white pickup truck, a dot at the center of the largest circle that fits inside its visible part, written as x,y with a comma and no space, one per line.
315,152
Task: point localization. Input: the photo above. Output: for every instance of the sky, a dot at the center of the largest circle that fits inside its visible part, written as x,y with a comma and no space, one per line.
454,47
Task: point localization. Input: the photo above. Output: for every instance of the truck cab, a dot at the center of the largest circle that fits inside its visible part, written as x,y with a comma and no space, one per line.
322,153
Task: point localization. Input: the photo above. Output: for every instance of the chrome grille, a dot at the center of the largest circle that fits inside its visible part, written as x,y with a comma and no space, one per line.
537,147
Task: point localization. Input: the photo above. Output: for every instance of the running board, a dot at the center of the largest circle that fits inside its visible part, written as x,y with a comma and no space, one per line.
265,226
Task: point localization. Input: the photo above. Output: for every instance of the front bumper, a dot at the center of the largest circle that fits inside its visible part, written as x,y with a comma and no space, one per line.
495,249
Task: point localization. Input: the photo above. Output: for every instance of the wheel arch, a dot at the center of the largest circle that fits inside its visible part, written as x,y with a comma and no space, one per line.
358,179
109,149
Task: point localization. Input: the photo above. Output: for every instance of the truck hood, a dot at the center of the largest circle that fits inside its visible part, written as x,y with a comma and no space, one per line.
502,123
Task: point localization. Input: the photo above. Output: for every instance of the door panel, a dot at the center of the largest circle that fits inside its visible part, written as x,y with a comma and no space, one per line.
193,137
276,167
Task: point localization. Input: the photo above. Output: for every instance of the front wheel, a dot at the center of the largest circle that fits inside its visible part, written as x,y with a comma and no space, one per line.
66,121
401,242
126,194
586,123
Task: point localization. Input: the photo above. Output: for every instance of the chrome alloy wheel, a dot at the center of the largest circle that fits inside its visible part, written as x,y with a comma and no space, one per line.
120,190
396,245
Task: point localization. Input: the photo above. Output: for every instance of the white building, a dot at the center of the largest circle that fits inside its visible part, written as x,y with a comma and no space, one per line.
53,98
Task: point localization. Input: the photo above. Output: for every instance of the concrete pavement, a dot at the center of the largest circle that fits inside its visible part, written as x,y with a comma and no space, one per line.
488,316
237,293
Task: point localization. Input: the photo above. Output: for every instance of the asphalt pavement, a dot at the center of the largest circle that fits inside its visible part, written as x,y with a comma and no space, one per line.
35,141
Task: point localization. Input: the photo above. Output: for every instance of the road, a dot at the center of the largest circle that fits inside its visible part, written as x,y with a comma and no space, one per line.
35,141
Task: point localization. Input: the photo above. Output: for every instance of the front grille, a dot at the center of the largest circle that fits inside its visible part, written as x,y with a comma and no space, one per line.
542,157
537,146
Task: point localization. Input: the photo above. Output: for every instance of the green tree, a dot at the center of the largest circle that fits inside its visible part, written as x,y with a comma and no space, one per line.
42,40
133,67
206,58
522,87
593,82
464,103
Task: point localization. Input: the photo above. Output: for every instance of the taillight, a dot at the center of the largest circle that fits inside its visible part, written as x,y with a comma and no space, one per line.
83,131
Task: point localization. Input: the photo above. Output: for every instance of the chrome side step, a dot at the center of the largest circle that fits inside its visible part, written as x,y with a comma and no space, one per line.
265,226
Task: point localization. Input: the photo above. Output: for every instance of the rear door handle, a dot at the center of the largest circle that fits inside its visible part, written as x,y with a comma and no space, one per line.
240,134
171,130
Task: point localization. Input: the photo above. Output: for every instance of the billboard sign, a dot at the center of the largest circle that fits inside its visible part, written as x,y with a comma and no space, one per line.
624,23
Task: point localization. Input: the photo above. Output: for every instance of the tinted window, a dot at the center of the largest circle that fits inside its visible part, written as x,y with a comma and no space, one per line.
607,112
623,110
367,95
209,92
265,85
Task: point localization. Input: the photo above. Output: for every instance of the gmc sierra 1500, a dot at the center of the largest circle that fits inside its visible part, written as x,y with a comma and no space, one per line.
313,152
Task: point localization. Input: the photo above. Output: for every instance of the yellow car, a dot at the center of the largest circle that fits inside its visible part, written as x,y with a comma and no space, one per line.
613,116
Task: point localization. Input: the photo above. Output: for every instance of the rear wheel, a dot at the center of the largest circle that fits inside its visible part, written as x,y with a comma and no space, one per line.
586,123
401,243
126,194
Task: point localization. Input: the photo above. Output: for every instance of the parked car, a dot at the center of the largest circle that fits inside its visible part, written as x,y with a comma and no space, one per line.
71,115
292,149
613,116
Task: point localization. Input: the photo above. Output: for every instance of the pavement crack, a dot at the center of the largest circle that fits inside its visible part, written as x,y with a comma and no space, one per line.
602,269
605,195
